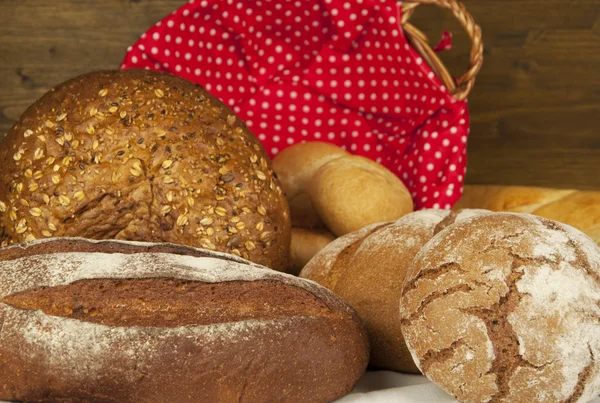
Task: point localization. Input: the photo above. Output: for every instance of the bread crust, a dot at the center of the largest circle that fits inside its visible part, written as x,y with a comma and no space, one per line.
352,192
504,307
306,243
141,155
315,353
580,209
295,166
366,268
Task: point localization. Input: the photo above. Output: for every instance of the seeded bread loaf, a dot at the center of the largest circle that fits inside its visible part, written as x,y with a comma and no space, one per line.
580,209
505,308
146,156
104,321
366,268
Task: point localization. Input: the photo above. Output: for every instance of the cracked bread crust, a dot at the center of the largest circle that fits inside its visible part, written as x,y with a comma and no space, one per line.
367,267
505,308
143,156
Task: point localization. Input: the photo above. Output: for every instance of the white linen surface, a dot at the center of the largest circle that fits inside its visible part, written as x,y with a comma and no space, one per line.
392,387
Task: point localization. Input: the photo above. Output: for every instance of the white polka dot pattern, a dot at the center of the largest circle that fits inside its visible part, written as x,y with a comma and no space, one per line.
330,70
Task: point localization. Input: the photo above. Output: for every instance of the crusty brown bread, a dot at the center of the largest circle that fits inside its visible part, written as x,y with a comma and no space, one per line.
146,156
366,268
306,243
115,321
580,209
504,308
295,166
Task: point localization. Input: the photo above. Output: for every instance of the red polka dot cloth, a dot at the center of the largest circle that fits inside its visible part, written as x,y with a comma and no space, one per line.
321,70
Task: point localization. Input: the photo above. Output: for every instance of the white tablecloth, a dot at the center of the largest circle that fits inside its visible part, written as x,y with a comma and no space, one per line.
392,387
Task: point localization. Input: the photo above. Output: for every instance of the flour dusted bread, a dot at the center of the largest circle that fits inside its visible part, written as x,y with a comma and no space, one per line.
504,308
97,321
352,192
145,156
366,268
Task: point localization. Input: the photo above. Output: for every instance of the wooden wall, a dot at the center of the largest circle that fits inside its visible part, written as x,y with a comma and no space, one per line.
535,108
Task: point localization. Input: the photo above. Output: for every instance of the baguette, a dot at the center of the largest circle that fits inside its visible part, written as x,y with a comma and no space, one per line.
580,209
89,321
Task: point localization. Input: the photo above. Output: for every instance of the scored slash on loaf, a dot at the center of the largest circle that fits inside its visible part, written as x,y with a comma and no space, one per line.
133,322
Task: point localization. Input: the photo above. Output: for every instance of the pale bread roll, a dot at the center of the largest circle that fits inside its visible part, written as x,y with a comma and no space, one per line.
366,268
352,192
303,213
504,308
295,166
306,243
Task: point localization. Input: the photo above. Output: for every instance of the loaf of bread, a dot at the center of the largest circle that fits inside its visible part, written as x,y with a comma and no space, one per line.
146,156
505,308
366,268
580,209
352,192
104,321
306,243
295,166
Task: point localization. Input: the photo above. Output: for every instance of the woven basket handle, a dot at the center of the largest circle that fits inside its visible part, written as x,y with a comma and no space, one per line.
460,90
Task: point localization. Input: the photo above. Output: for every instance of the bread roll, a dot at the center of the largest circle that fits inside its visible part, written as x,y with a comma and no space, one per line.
352,192
366,268
580,209
504,308
295,166
305,244
303,214
86,321
141,155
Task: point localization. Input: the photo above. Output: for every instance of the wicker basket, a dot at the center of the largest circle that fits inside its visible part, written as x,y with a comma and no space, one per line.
462,86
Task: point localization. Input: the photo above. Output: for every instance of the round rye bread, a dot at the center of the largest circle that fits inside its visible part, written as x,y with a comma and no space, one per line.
143,156
506,308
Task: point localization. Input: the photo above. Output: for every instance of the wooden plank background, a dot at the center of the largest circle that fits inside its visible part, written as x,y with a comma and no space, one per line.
535,109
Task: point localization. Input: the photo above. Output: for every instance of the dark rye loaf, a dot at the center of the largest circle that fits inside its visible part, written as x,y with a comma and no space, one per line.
142,156
115,321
